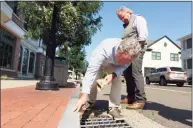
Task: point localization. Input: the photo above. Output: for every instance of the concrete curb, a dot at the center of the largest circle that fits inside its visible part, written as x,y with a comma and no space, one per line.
71,119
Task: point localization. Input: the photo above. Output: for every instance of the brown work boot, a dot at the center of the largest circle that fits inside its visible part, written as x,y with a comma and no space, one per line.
136,105
124,100
115,113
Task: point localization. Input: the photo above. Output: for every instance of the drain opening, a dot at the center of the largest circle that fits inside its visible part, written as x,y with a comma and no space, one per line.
100,119
103,123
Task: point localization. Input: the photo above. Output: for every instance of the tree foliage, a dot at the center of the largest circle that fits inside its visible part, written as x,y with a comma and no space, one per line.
76,58
64,24
76,22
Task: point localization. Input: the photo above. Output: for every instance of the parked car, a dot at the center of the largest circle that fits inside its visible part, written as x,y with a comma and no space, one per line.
189,80
165,75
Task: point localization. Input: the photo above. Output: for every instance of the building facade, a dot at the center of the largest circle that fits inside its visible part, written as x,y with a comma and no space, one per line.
186,51
19,57
160,53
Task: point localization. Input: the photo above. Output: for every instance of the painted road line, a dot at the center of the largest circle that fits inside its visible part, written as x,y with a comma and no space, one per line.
169,90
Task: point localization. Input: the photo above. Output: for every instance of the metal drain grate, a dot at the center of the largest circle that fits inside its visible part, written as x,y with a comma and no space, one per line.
103,123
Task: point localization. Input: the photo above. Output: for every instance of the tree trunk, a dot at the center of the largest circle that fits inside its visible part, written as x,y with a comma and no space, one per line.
51,46
49,64
48,81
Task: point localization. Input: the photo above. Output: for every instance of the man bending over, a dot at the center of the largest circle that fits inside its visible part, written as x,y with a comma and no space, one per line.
113,56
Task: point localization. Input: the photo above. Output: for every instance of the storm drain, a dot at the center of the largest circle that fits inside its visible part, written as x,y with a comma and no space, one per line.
103,123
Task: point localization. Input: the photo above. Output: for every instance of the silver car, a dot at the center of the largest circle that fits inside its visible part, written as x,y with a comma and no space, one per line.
164,75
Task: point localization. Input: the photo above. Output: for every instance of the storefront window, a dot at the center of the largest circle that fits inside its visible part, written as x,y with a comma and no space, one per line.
7,44
25,62
31,62
6,55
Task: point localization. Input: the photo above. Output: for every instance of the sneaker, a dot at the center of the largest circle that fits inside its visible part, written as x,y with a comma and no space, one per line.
125,100
115,113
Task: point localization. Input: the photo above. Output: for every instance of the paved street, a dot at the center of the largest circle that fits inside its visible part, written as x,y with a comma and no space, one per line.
169,106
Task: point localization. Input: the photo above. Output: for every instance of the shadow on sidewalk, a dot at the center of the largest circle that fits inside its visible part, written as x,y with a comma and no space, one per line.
170,113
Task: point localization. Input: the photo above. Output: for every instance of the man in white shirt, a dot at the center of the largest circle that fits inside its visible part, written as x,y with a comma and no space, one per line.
114,56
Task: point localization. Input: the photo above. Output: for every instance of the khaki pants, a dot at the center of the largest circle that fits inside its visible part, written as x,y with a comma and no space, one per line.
115,94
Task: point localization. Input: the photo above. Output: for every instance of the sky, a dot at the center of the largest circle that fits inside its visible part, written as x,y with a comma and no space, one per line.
173,19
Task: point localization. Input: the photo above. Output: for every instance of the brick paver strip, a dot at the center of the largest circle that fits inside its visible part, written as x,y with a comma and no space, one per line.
25,107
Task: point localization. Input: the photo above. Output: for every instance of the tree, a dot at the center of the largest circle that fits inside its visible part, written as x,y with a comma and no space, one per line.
84,68
60,23
75,57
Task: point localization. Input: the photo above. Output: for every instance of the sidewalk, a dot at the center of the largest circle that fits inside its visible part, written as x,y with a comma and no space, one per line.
17,83
29,108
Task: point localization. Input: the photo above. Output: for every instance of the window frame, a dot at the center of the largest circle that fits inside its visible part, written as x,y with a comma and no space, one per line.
174,57
155,55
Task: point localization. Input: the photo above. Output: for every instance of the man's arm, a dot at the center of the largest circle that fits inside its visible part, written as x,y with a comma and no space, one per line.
97,59
142,31
94,66
108,79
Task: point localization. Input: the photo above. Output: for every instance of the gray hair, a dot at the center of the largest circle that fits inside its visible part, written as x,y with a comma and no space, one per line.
124,9
130,46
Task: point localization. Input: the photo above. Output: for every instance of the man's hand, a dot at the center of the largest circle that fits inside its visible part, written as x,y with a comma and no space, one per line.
81,102
108,79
